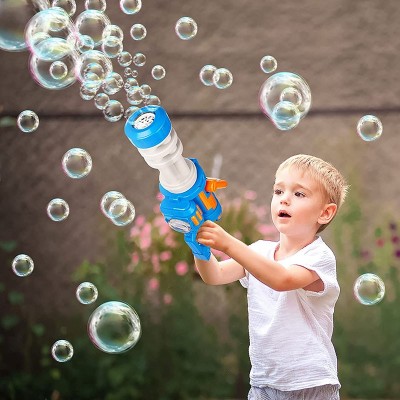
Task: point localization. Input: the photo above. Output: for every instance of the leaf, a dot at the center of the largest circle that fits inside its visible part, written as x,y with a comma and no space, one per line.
15,298
9,321
38,329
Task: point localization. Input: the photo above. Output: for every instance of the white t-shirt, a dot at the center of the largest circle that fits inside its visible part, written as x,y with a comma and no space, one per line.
290,332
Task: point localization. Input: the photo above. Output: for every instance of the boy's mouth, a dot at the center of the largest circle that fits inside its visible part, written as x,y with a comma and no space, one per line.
283,214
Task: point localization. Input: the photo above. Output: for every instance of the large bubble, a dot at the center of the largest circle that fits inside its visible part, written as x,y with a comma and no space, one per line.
275,88
77,163
186,28
114,327
14,15
93,65
92,23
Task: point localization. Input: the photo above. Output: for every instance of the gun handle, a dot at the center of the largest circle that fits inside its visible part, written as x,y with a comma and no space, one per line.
199,250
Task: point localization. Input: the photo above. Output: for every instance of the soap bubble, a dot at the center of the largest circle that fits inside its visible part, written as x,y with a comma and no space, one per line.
286,115
101,100
268,64
113,83
77,163
369,128
145,90
57,209
113,111
271,92
86,293
186,28
125,59
114,327
58,70
22,265
134,95
69,6
134,72
222,78
292,95
129,111
152,100
369,289
130,6
62,351
92,23
112,46
99,5
83,43
107,200
27,121
113,31
93,62
14,16
158,72
129,82
206,74
122,212
87,92
139,59
138,32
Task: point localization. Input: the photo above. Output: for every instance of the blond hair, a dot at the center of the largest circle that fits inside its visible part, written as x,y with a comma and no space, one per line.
325,174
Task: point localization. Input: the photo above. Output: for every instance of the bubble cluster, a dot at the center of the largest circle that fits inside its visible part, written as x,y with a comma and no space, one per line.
77,163
186,28
27,121
57,210
369,128
22,265
114,327
62,351
369,289
117,208
86,293
285,98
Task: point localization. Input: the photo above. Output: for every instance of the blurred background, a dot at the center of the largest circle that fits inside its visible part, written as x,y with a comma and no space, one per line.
194,338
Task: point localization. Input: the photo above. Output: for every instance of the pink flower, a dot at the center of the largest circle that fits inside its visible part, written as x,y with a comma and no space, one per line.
135,258
156,209
167,298
250,195
181,268
261,211
159,196
155,260
165,255
140,220
159,220
135,231
130,268
170,241
237,235
164,229
380,242
145,236
153,284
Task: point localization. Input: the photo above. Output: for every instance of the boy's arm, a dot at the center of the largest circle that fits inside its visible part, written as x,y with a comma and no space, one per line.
270,272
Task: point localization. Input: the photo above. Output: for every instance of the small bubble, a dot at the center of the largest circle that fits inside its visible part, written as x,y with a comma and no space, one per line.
158,72
99,5
67,5
129,82
112,47
113,31
286,115
113,111
86,293
139,59
222,78
206,75
113,83
369,128
138,32
100,100
122,212
28,121
22,265
77,163
291,95
107,200
186,28
153,100
125,59
134,95
369,289
130,6
268,64
57,209
145,90
62,351
129,111
87,92
58,70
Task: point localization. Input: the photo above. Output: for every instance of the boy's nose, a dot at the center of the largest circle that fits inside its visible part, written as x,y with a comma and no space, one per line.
285,200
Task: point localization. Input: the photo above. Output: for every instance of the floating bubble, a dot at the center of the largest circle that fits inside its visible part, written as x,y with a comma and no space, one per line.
206,74
69,6
113,31
22,265
28,121
112,47
113,111
95,62
145,90
57,209
139,59
125,59
292,95
158,72
99,5
138,32
107,200
122,212
222,78
129,111
84,43
369,128
77,163
134,95
268,64
86,293
369,289
152,100
87,92
186,28
101,100
58,70
113,83
14,16
271,91
92,23
114,327
129,82
130,6
62,351
286,115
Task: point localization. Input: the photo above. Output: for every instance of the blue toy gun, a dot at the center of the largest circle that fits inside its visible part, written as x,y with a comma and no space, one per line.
189,197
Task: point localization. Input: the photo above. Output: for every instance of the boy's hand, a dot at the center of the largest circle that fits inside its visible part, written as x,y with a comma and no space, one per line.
212,235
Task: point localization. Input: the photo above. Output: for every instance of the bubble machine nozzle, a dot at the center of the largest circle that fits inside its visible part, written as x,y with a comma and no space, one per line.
189,197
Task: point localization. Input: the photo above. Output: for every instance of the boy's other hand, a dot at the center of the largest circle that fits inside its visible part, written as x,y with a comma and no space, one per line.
212,235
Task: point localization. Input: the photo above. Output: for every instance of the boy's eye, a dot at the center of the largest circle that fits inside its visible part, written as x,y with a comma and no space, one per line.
299,194
278,191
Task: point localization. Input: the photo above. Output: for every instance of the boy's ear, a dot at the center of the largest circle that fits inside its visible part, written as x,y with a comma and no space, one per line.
327,213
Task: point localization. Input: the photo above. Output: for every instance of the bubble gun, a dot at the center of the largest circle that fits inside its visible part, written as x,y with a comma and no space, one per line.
189,197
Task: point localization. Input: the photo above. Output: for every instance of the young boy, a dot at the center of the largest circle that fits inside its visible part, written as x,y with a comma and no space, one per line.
291,285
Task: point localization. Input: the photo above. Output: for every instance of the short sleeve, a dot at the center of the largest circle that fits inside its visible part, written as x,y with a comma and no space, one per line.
257,247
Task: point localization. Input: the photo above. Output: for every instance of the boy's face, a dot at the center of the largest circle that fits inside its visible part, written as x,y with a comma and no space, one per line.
297,203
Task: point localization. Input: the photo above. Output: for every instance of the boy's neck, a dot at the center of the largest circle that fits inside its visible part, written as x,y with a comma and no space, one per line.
289,245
